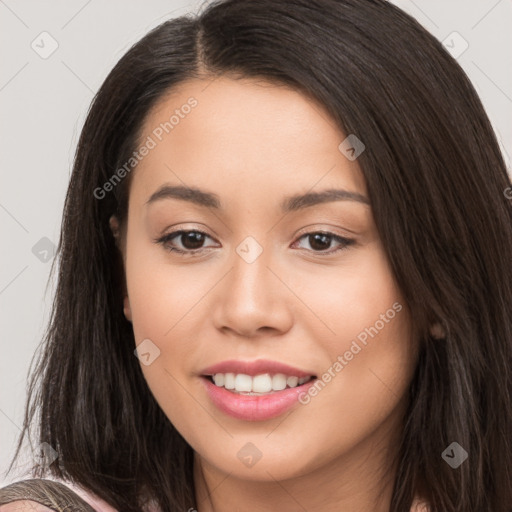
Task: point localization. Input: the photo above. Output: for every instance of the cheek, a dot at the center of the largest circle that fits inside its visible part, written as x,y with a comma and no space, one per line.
161,294
157,305
369,346
374,337
165,302
357,299
363,391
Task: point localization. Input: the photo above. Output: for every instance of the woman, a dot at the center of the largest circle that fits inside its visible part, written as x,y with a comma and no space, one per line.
294,213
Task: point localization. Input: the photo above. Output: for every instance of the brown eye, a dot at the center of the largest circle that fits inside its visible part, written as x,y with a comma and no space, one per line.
320,242
189,241
192,239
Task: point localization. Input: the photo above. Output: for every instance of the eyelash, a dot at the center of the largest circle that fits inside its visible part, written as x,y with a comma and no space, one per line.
164,240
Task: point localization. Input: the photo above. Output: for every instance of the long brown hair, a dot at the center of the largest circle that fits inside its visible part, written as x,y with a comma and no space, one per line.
436,181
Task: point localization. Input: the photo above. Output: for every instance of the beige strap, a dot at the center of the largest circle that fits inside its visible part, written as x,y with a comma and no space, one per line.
53,495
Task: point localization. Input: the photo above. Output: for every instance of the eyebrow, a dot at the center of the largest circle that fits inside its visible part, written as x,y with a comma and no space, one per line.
289,203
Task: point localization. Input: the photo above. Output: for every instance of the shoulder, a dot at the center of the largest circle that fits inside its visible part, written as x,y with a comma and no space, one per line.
24,506
51,492
38,494
89,497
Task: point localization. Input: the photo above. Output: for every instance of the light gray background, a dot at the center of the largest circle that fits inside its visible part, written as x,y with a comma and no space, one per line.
43,105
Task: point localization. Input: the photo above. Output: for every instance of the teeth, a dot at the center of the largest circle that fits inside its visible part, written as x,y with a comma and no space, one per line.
263,383
292,381
278,382
243,382
229,381
218,378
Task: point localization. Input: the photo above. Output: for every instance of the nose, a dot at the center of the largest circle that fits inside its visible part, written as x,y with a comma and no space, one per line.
253,300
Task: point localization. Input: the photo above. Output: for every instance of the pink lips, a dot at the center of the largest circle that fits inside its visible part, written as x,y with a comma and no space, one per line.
254,407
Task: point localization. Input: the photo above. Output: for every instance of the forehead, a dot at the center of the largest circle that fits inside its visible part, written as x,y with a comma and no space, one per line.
244,135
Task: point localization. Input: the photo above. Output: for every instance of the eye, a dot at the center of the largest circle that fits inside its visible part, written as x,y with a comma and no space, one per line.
191,241
319,241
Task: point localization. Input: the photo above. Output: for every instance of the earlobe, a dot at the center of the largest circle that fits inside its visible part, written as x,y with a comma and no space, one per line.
127,309
437,331
114,227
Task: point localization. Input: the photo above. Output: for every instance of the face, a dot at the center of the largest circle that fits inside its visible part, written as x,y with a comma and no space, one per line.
269,289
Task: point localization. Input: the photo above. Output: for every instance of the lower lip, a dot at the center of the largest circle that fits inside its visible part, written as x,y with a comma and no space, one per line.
254,407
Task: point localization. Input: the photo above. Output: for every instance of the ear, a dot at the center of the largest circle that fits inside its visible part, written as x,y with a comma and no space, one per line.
437,331
127,309
114,227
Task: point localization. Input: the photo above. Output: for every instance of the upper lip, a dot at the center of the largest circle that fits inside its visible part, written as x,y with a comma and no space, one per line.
257,367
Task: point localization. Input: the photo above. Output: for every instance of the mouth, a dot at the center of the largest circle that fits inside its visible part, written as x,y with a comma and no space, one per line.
258,385
257,390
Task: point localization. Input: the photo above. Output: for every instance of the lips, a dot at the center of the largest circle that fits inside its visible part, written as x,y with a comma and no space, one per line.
254,368
255,390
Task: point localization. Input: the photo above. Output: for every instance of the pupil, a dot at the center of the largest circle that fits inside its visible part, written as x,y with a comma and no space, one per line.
193,240
319,237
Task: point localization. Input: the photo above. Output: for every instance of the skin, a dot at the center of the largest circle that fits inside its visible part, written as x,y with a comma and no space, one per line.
253,143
